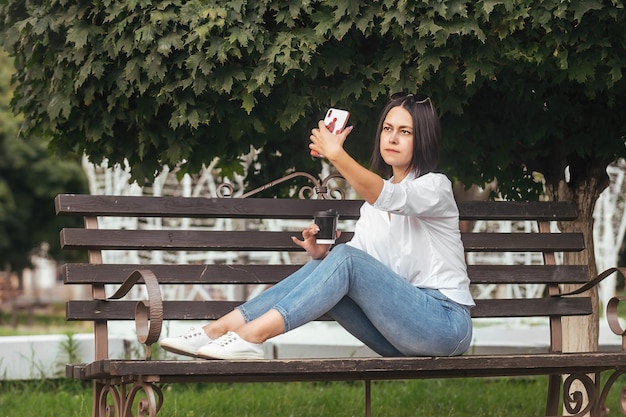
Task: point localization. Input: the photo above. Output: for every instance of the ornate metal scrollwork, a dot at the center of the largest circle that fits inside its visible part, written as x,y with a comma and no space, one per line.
319,189
102,407
595,401
612,315
613,318
225,190
148,314
605,392
573,400
123,399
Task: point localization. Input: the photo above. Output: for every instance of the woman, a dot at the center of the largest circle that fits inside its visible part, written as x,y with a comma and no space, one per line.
400,285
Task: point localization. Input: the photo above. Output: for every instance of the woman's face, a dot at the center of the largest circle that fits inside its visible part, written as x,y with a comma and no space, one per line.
396,141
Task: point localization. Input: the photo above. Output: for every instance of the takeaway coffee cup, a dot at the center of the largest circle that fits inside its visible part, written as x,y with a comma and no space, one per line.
327,222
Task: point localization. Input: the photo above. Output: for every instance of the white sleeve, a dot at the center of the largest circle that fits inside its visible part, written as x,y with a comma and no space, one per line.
427,196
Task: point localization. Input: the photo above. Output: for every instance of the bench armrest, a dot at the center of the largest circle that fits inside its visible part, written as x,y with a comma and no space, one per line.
613,318
612,305
148,313
589,285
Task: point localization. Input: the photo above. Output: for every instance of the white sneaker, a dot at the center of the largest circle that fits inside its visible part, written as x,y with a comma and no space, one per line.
186,344
231,346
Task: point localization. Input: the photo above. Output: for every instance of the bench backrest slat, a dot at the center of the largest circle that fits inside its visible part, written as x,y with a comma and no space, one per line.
100,239
209,310
517,210
141,206
270,274
197,207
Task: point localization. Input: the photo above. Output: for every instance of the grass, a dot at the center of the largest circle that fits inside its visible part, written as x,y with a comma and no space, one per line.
439,397
483,397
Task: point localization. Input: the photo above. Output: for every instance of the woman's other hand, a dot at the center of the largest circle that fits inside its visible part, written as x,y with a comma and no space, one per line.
315,250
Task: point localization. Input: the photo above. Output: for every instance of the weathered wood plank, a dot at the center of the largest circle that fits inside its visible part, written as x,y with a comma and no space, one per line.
517,210
144,206
200,240
270,274
198,207
343,369
210,310
204,240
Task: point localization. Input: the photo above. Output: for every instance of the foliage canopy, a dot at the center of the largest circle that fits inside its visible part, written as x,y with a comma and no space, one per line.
522,86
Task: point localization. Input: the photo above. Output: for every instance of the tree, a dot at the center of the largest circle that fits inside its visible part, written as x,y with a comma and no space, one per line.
530,92
29,179
553,112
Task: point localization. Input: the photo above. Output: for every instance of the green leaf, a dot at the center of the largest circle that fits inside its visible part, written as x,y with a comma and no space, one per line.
78,36
168,43
43,24
582,7
132,70
324,22
154,67
471,69
364,22
241,36
615,70
225,78
352,88
59,106
583,71
248,102
488,6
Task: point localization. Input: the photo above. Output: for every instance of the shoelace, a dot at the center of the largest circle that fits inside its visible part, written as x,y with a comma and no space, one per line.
192,333
226,339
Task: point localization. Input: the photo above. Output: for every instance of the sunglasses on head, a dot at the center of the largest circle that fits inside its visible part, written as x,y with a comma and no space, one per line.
416,98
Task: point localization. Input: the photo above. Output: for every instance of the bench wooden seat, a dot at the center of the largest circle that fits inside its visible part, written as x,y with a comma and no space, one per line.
351,369
252,236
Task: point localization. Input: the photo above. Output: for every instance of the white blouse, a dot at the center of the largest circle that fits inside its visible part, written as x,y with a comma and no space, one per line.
413,228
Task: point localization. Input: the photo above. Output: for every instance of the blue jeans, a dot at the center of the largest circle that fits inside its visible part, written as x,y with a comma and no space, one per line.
388,314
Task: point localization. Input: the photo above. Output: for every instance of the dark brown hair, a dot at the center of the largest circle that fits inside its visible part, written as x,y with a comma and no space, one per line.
426,134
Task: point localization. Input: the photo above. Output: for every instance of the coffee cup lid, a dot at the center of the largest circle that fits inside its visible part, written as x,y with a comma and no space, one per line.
327,213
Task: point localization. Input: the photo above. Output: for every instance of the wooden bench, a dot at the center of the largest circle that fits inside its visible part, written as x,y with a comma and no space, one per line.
118,381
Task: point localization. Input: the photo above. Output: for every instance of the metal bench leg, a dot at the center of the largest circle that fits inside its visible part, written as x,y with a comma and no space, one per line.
554,395
368,398
116,397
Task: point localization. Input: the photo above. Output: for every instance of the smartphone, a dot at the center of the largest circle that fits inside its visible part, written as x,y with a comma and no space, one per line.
335,121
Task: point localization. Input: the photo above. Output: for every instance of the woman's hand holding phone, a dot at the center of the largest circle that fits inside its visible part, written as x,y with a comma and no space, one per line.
335,122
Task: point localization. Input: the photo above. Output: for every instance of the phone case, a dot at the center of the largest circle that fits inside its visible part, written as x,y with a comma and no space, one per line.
336,120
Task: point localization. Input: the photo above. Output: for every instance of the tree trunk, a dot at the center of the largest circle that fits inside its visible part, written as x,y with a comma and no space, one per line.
580,334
